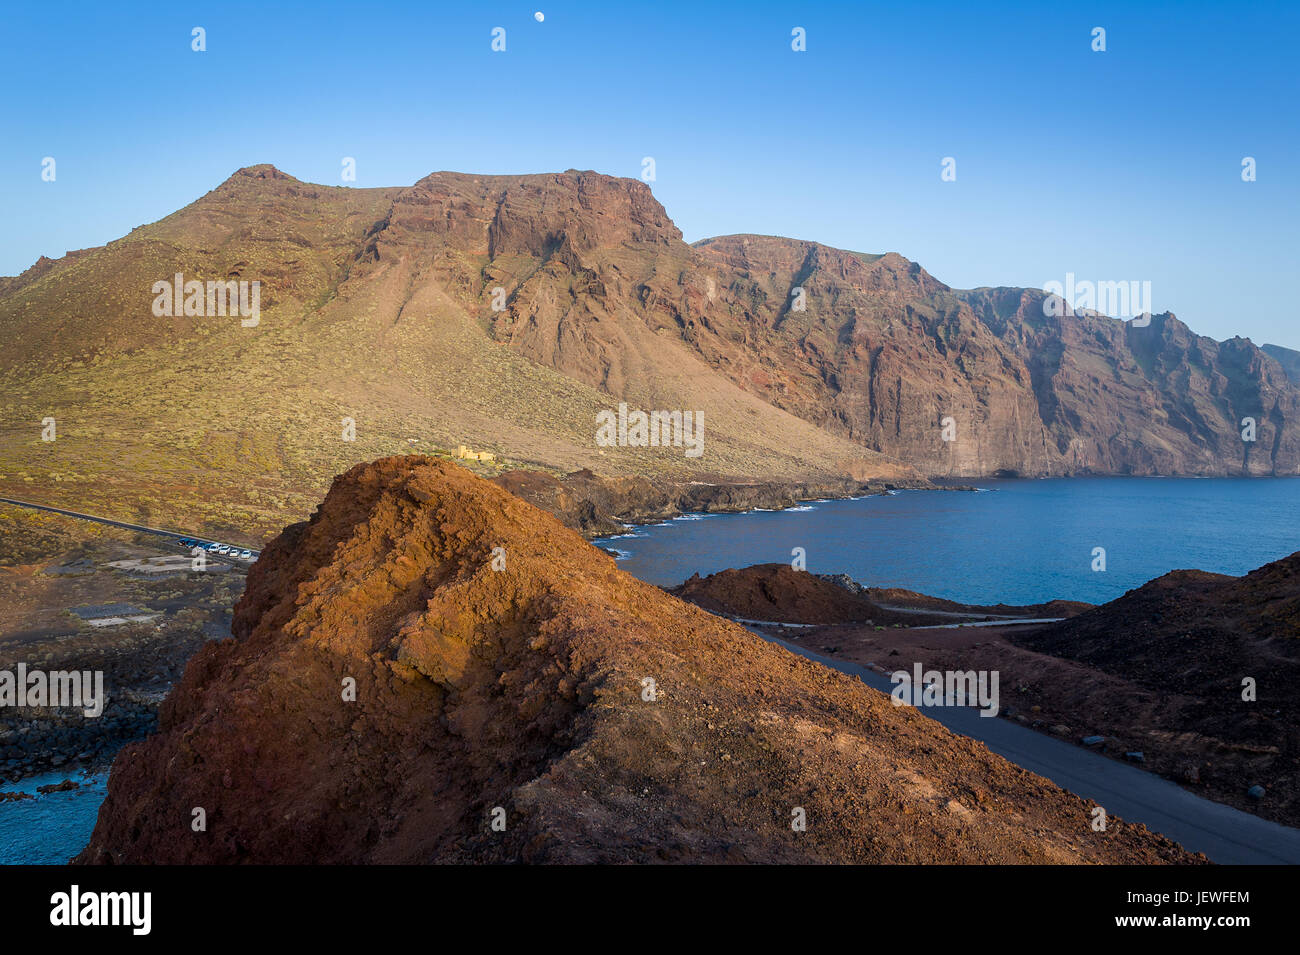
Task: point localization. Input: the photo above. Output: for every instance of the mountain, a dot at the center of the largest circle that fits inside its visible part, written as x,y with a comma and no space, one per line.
375,308
883,352
429,654
506,313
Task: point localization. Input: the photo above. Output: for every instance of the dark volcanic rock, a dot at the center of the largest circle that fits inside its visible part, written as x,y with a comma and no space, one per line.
1196,638
779,593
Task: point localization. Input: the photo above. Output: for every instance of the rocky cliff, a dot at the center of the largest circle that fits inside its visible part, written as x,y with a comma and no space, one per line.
599,286
1129,398
1288,358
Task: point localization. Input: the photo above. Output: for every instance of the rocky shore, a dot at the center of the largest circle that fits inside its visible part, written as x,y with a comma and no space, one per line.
599,506
139,667
56,619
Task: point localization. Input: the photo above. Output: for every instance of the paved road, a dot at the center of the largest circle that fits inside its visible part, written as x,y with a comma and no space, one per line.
1224,834
990,623
172,535
951,613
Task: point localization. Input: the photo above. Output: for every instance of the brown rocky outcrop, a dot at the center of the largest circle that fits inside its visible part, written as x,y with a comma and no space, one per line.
528,689
779,593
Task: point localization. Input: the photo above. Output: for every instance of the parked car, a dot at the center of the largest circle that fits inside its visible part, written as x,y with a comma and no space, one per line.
245,555
223,549
213,548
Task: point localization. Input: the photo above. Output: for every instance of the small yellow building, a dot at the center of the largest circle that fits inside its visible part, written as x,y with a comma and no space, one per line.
464,452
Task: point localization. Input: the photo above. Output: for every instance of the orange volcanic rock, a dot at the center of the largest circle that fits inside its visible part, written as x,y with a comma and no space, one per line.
506,671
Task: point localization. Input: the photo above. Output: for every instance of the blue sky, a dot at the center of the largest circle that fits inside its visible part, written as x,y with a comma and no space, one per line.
1116,166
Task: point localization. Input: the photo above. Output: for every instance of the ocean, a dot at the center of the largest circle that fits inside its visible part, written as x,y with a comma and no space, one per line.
49,829
1011,541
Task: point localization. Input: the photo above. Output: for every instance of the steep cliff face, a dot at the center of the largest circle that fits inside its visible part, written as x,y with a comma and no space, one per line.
1123,398
881,351
596,282
884,352
592,279
505,671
